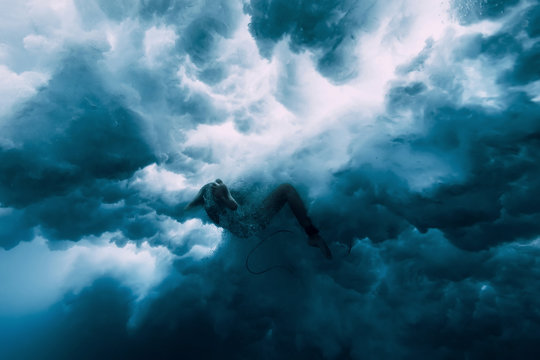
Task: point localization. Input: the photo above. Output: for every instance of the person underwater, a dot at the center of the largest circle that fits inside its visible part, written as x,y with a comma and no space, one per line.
246,221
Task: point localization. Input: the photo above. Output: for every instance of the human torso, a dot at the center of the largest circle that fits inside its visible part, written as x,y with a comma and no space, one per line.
241,222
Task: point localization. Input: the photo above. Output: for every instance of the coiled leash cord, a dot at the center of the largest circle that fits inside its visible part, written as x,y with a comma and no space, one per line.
285,267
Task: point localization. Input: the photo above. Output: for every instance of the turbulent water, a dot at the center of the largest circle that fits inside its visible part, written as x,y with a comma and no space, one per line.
411,129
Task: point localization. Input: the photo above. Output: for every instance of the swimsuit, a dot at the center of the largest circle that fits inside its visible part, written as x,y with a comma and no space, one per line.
243,222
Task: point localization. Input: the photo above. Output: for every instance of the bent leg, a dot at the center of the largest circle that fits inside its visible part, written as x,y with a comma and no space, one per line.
285,194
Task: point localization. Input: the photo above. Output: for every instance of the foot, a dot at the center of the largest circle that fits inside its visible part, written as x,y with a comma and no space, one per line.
316,240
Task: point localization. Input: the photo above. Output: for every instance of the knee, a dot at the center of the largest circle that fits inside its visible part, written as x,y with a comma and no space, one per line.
285,188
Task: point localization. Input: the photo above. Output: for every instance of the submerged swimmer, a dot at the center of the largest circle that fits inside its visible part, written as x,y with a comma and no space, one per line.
244,222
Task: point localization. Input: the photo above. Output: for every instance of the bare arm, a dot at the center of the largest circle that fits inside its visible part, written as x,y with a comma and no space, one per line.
198,201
